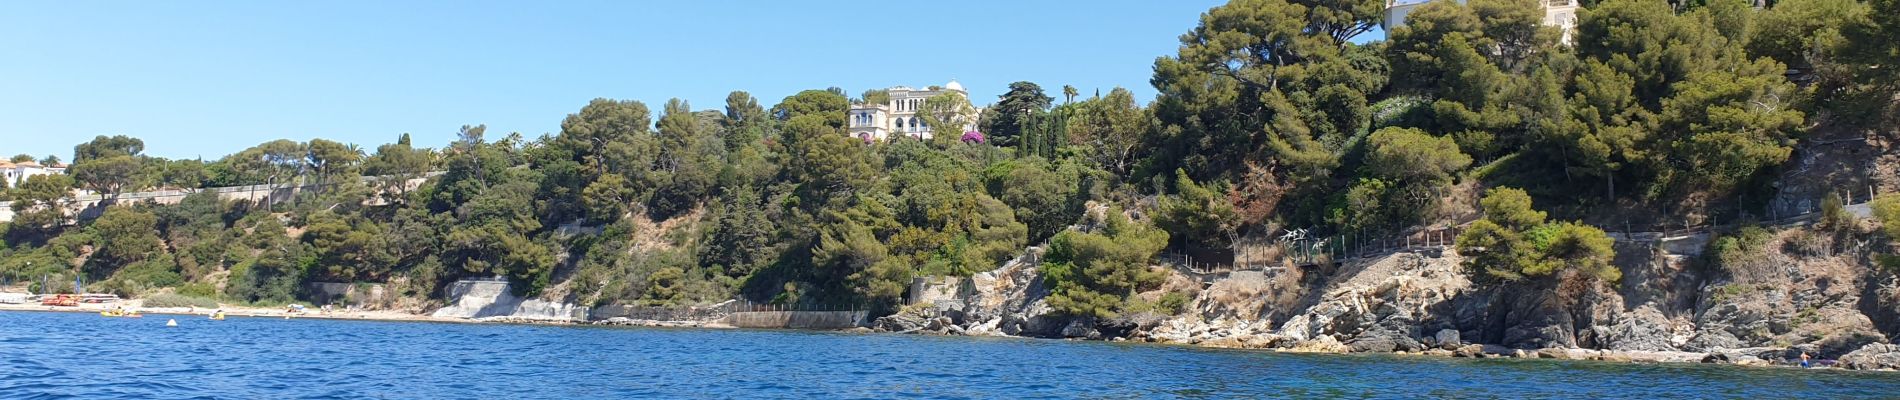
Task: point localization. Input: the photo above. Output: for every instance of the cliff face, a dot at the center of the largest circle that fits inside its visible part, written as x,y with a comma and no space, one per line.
1670,304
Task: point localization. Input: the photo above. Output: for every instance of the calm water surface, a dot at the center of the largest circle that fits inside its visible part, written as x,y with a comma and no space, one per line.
61,355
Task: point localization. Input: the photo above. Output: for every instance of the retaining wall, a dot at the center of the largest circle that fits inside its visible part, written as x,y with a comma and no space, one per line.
796,319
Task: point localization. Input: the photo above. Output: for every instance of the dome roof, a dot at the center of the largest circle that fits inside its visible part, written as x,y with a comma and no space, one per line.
953,85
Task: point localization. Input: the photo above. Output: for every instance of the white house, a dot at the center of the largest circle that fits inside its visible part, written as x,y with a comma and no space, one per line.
13,173
1558,13
899,115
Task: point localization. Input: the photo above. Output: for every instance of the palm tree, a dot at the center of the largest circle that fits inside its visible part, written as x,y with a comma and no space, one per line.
1068,94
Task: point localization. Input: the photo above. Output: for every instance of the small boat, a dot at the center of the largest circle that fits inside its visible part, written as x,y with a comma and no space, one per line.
120,314
218,316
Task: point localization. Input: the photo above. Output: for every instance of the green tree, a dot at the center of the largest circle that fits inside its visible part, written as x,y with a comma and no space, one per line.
1727,126
125,236
1650,43
1114,128
330,160
1570,246
875,96
1403,176
1804,31
1002,124
605,137
181,174
688,163
1197,215
844,256
1414,48
1512,242
1091,274
745,120
1861,84
21,158
607,198
1411,156
663,286
830,106
945,114
1047,198
741,240
394,165
1886,208
1265,80
37,208
109,175
102,146
825,162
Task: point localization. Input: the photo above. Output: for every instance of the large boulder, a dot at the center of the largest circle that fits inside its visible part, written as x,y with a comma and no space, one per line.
1873,356
901,322
1643,329
1447,339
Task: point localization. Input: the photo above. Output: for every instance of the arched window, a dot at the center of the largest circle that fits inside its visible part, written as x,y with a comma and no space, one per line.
913,123
900,123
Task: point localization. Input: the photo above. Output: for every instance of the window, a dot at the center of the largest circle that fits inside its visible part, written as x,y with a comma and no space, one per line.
900,123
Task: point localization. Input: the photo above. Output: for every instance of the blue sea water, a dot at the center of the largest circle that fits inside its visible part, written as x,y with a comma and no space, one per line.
71,355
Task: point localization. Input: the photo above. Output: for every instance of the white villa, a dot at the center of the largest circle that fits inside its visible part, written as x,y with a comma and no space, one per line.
899,115
13,174
1558,13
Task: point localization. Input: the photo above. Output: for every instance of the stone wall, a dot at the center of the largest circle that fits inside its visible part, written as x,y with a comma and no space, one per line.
796,319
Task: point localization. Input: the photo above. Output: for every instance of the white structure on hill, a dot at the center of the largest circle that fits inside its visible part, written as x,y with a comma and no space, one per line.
1561,14
899,115
13,173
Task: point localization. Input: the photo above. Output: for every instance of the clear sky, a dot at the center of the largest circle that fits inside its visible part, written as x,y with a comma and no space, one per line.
213,77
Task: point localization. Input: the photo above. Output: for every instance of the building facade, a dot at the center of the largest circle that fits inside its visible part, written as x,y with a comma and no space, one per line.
899,116
13,173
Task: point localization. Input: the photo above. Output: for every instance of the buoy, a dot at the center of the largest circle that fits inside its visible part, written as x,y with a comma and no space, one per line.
171,322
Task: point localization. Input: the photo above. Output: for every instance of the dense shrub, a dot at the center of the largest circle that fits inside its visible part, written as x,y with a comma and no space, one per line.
1092,274
1513,242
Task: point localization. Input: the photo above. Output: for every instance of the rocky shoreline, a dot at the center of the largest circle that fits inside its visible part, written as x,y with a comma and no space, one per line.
1873,357
1666,309
1223,334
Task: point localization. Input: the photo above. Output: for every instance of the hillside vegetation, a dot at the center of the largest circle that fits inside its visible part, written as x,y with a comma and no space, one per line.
1268,117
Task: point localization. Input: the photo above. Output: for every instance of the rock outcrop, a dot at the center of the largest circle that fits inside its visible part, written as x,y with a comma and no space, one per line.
493,300
1669,306
1873,356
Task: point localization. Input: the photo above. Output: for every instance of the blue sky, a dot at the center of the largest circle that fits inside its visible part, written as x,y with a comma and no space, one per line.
210,78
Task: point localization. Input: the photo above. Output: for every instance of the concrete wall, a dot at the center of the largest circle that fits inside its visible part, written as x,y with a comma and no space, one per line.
796,319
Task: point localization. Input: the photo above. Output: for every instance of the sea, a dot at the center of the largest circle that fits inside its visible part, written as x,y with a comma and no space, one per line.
55,355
